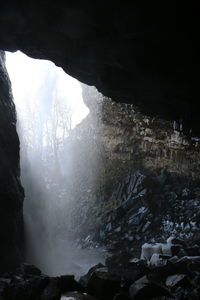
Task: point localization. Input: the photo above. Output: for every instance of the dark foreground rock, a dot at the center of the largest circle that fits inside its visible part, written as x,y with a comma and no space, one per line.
143,207
28,283
164,277
123,277
76,296
11,191
145,53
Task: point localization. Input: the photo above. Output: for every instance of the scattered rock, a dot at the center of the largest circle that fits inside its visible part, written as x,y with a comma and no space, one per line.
103,284
144,288
175,280
85,279
51,291
67,283
26,289
27,269
123,278
130,269
76,296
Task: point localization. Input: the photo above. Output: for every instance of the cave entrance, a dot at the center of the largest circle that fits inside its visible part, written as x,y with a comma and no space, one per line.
49,107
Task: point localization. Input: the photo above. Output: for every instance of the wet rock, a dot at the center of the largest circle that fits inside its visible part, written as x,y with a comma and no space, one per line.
11,216
149,249
185,193
24,284
3,286
103,284
26,289
129,269
192,262
123,278
194,294
119,259
173,259
27,269
157,261
193,251
85,279
146,225
51,291
174,280
67,283
144,288
196,192
76,296
161,272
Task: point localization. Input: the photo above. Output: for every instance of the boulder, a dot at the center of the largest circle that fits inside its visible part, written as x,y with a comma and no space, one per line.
27,269
85,278
103,284
174,280
67,283
26,289
76,296
145,289
2,287
51,291
128,267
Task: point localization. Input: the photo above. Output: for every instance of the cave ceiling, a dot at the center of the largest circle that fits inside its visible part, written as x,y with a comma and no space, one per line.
135,52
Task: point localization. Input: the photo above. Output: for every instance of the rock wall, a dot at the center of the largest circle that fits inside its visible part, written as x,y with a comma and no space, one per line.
145,53
146,177
151,143
11,192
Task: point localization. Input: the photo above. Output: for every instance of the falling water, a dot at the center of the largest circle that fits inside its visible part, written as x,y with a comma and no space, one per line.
49,105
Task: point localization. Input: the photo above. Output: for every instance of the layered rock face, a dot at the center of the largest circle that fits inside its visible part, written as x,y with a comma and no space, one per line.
141,53
151,143
139,182
11,192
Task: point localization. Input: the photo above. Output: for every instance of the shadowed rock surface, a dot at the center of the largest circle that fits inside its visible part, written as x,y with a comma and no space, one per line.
143,54
11,192
147,178
137,52
121,278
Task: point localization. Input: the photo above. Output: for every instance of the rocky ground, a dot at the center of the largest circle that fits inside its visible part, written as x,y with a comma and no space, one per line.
135,179
141,208
175,275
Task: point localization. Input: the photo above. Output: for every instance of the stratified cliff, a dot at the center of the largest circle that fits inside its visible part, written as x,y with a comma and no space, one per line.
136,178
11,192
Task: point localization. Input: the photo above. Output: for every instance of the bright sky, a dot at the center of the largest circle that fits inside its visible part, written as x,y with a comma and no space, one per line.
27,74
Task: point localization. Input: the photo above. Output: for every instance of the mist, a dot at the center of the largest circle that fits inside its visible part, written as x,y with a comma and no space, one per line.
49,106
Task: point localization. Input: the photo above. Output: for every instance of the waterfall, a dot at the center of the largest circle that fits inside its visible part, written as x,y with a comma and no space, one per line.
49,105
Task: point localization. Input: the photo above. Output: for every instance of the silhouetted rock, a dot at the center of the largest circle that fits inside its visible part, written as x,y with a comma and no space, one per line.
85,279
26,289
51,291
129,269
137,53
124,278
27,269
3,286
67,283
174,280
76,296
103,285
145,289
11,191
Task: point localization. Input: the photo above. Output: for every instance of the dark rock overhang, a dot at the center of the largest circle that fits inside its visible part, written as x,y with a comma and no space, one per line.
145,54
